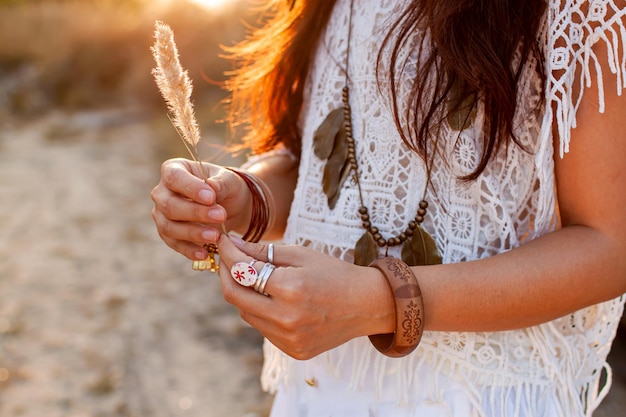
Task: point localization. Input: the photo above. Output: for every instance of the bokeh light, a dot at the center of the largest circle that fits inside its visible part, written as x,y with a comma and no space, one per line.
211,4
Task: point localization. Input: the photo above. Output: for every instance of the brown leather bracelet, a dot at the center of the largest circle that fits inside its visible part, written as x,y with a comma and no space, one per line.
409,309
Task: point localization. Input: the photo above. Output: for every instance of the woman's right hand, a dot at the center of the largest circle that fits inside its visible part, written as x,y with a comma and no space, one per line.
189,213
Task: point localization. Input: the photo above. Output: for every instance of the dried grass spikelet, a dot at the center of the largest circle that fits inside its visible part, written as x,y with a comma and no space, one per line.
176,88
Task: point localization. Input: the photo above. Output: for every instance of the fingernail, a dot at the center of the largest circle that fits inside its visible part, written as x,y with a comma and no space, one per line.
206,196
239,242
201,255
217,214
209,235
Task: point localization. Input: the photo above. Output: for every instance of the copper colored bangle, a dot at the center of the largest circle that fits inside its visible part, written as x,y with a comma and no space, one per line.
409,309
260,216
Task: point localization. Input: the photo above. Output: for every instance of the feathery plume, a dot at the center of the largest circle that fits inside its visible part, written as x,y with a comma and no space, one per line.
175,86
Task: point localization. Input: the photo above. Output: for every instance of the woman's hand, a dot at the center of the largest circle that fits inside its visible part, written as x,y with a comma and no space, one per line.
189,213
316,302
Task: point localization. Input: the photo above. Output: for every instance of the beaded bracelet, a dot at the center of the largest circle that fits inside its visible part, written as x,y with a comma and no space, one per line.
260,217
409,309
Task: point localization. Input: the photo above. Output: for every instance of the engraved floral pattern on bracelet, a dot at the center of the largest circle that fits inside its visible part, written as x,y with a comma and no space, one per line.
412,322
398,269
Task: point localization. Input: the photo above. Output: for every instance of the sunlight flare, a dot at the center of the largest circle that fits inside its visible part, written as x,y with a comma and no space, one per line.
211,4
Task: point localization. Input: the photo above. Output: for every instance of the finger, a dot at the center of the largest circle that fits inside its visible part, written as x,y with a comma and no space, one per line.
233,249
244,298
229,256
178,176
274,324
267,328
198,233
191,250
174,207
188,249
230,253
284,255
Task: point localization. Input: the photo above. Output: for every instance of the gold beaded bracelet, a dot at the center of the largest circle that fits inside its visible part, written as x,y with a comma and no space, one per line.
409,309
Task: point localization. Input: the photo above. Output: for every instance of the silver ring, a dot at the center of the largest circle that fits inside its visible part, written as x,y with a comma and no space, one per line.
264,276
270,253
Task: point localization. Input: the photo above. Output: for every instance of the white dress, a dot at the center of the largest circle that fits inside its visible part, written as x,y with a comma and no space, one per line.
553,369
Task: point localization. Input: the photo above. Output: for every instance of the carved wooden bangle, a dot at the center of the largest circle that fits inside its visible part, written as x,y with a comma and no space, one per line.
409,309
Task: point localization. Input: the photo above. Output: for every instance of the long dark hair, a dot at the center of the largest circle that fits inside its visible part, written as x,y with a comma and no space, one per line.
481,45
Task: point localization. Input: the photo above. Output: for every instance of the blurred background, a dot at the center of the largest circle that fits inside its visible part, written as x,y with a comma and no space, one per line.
78,55
98,318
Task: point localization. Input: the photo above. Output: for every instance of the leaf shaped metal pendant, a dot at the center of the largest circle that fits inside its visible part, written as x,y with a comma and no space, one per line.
461,110
366,250
420,249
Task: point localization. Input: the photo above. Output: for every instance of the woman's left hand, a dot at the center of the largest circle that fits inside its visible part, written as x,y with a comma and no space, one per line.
316,302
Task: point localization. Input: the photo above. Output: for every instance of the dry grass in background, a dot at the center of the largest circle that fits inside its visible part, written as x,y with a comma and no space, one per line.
92,53
79,55
98,318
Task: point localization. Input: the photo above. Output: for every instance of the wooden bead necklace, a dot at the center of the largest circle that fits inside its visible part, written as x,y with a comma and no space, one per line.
334,142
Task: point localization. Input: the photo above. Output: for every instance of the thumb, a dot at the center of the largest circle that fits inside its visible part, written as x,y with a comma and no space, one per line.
226,184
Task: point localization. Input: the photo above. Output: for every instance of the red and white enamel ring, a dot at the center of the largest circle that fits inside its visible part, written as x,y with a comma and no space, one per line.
244,273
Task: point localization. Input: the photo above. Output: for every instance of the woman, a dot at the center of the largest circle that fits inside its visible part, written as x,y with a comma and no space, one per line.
388,123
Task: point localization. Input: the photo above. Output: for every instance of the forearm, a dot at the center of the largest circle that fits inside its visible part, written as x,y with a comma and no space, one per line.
545,279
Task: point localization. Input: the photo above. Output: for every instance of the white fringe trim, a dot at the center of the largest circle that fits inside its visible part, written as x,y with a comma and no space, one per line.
571,58
562,376
571,61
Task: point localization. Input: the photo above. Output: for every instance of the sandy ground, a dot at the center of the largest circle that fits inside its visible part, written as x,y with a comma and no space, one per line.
97,317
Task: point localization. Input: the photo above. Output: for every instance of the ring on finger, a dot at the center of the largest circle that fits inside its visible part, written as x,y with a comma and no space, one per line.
244,273
264,276
270,253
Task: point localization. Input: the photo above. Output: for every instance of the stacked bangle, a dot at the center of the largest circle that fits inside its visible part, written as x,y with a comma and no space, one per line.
409,309
260,217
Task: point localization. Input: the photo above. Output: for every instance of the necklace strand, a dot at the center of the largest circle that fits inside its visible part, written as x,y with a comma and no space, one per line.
363,210
352,160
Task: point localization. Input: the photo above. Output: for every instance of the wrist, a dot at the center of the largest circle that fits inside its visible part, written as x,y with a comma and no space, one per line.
256,208
380,313
408,306
239,211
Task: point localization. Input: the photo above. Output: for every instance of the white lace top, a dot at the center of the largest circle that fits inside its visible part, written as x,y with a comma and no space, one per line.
552,369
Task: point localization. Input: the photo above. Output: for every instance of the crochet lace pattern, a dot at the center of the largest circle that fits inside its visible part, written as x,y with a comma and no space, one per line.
513,201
